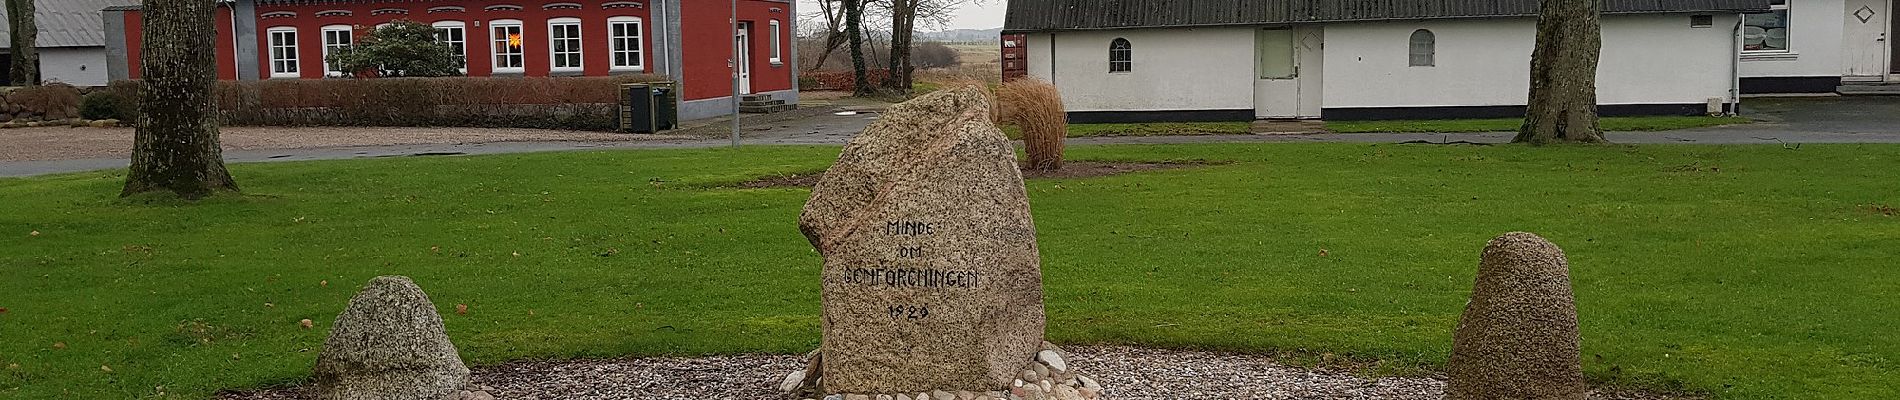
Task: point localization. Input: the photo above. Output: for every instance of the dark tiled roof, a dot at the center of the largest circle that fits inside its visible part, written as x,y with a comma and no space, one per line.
1041,15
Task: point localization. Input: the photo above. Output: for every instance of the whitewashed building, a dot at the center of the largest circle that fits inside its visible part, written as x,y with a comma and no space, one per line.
72,40
1816,46
1233,60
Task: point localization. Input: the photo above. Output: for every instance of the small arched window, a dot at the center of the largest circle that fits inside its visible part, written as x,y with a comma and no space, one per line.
1424,49
1121,56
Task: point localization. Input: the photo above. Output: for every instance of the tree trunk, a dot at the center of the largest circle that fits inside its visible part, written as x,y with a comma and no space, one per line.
25,35
903,24
176,145
854,32
1563,98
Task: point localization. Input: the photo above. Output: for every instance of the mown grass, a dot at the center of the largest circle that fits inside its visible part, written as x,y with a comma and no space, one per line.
1613,124
1148,129
1744,272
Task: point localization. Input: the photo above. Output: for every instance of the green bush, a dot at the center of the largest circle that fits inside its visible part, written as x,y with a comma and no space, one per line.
106,104
399,48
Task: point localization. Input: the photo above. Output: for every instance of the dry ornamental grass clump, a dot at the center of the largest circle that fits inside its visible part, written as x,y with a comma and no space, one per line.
1036,107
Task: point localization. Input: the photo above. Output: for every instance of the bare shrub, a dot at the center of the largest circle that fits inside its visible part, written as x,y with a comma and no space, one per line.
935,55
54,101
1036,107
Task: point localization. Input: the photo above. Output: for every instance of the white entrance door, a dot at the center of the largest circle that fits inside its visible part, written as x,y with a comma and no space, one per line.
1866,49
1276,88
743,46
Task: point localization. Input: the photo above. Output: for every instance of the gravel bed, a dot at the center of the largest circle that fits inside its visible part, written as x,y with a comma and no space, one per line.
1127,373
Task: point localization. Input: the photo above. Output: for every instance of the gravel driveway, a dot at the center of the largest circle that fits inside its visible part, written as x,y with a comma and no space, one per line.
1128,373
63,143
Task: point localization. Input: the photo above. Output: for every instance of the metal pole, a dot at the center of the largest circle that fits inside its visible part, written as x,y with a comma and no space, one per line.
735,73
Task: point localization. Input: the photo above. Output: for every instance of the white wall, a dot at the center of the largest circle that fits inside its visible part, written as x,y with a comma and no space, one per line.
1815,41
1647,59
1174,69
79,66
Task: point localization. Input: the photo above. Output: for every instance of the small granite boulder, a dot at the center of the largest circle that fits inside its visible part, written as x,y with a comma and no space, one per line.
1518,337
389,345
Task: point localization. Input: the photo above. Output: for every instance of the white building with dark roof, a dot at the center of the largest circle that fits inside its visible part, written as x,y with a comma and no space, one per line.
72,40
1236,60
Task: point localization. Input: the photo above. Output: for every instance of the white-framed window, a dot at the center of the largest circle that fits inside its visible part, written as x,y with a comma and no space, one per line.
777,58
506,34
1424,49
283,52
455,35
1121,56
336,37
564,44
1767,32
623,36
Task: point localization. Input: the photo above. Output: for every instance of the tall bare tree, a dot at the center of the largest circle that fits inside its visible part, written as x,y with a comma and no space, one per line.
833,14
854,33
903,28
25,34
176,145
904,16
1563,98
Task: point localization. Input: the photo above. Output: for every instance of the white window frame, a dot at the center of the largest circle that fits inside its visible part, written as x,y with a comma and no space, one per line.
777,54
283,56
329,46
1422,54
500,42
575,45
459,47
1126,54
1787,20
637,54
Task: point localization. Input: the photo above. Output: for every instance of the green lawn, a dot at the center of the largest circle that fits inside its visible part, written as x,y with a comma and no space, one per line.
1745,272
1614,124
1148,129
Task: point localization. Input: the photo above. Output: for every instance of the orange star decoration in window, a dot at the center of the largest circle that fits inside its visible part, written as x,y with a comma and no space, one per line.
514,40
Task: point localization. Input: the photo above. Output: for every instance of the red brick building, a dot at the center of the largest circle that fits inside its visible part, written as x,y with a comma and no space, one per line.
688,40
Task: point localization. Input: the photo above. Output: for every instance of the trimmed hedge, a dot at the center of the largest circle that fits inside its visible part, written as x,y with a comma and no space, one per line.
579,103
839,80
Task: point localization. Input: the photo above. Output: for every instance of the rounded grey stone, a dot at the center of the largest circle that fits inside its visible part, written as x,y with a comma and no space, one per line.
389,344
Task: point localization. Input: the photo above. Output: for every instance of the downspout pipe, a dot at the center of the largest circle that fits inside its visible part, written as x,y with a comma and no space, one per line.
1735,70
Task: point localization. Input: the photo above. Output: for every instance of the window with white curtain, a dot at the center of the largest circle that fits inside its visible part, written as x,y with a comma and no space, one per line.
508,41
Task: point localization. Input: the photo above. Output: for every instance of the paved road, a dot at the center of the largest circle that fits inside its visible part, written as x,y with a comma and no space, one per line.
1782,120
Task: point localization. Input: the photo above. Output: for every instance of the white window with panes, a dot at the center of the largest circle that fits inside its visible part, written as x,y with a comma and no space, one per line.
508,40
455,35
623,37
283,52
335,39
777,55
564,44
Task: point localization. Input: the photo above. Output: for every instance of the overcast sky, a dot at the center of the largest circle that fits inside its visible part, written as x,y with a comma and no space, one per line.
974,14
